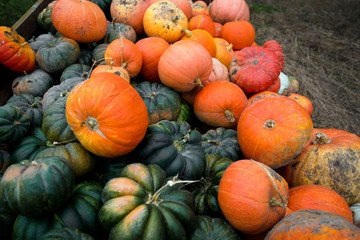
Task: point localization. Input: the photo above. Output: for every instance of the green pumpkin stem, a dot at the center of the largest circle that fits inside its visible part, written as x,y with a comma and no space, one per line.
187,32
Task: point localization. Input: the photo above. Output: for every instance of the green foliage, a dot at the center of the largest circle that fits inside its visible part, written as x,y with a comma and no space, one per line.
260,8
13,10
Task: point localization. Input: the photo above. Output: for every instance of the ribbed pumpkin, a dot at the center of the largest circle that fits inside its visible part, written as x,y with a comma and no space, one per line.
276,48
240,34
184,65
110,124
313,196
151,49
120,71
124,53
220,104
164,19
16,53
331,159
14,124
81,20
224,51
254,69
252,196
224,11
44,18
315,225
36,83
119,30
279,128
98,53
202,22
75,70
66,233
203,37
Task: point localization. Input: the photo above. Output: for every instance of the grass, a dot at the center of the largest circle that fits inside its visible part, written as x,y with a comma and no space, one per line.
12,10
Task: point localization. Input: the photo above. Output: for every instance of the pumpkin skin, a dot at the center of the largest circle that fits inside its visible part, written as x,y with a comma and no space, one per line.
254,69
224,51
184,5
184,65
203,37
248,198
220,104
119,30
75,70
58,53
37,187
35,42
98,53
5,161
174,147
65,233
28,228
202,22
199,8
261,95
276,48
109,120
303,101
124,53
212,228
162,103
16,54
313,224
140,204
81,20
120,71
279,128
224,11
36,83
312,196
44,18
14,124
331,159
240,34
164,19
218,27
151,49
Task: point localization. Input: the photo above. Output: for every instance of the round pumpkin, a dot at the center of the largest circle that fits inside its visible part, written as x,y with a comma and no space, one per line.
184,5
261,95
202,22
303,101
203,37
276,48
224,51
81,20
224,11
252,196
98,54
119,30
75,70
36,83
240,34
35,42
110,124
14,124
279,128
120,71
199,8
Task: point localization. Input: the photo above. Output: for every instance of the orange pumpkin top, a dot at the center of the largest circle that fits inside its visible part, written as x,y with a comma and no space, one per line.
111,69
224,51
202,22
203,37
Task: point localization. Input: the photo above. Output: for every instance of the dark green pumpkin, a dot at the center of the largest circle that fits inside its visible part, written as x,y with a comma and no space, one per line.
142,204
36,83
7,219
34,188
162,102
56,54
54,124
174,147
14,124
31,106
85,57
31,228
104,5
65,234
186,112
75,70
5,160
98,54
36,42
222,142
119,30
44,18
208,228
206,192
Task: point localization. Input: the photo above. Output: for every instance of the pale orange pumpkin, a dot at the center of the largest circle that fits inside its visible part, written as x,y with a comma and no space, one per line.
224,11
199,8
303,101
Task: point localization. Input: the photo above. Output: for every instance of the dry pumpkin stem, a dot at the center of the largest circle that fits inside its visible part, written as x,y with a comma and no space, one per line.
229,116
93,125
269,124
98,61
321,138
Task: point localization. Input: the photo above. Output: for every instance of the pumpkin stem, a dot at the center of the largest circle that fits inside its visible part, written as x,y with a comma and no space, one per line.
35,104
23,44
187,32
93,125
114,23
229,116
64,93
198,82
214,141
152,94
321,138
63,142
16,123
229,47
274,202
269,124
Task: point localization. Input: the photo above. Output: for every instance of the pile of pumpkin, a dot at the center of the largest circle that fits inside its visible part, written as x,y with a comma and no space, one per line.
167,122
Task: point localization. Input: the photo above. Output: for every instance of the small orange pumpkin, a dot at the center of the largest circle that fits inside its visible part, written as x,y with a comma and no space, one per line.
203,37
303,101
240,34
224,51
199,8
202,22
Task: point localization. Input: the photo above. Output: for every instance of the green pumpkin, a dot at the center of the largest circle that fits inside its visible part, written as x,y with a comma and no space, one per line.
85,57
38,187
54,125
56,54
142,204
36,42
162,102
208,228
75,70
222,142
119,30
174,147
30,105
186,112
31,228
104,5
5,160
14,124
65,233
206,192
36,83
98,54
44,18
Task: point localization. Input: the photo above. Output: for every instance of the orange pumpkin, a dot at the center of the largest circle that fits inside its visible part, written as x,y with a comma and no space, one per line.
220,104
252,196
218,27
261,95
200,8
109,124
274,130
151,49
203,37
184,5
16,53
224,51
303,101
276,48
184,65
111,69
240,34
81,20
124,53
224,11
202,22
318,197
164,19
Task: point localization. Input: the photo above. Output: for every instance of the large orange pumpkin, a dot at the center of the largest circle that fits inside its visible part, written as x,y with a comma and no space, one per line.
224,11
240,34
274,130
107,115
16,53
81,20
252,196
203,37
184,65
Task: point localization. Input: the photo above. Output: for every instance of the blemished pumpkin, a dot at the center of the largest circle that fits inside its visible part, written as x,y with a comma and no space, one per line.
184,65
276,48
16,53
220,104
279,128
184,5
252,196
110,124
119,30
80,20
261,95
224,11
304,101
120,71
240,34
199,8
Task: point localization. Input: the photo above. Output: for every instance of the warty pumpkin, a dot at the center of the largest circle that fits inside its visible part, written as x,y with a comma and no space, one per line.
184,5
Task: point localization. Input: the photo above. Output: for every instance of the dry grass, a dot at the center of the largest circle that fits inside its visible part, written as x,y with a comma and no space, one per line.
321,43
